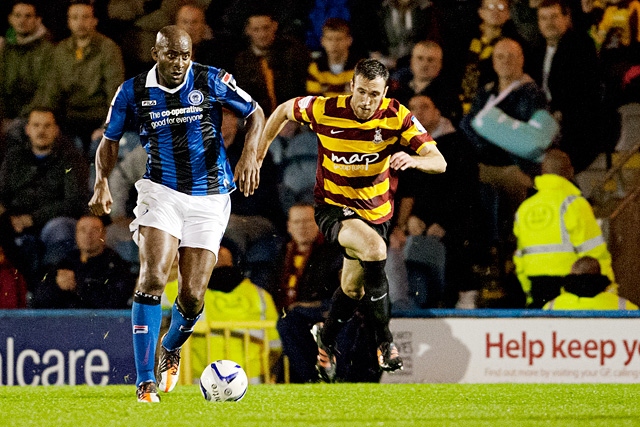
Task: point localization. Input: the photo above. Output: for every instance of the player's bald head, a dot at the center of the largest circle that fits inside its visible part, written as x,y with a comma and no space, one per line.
172,53
173,36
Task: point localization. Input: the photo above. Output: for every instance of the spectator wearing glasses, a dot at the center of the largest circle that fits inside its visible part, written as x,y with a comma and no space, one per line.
495,23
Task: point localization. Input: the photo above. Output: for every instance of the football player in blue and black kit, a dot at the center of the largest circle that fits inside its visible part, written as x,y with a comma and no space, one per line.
183,199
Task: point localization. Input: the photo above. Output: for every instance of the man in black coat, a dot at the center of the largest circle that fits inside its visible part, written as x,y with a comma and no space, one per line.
444,207
92,276
42,180
424,76
273,67
566,68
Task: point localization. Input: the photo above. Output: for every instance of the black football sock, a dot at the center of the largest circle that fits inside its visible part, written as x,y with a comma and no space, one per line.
342,309
376,288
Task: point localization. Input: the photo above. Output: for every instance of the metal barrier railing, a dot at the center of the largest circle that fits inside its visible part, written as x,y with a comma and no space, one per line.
235,329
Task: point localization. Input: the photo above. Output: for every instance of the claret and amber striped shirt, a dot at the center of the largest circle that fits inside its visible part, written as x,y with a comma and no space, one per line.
353,155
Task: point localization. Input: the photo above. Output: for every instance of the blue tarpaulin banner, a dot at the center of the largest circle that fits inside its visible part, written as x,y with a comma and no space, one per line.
95,347
66,347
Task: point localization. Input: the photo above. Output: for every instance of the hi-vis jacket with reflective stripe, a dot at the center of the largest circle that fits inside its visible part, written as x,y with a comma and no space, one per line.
602,301
554,228
247,301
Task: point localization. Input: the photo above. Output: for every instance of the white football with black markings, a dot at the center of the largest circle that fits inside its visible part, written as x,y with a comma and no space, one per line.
223,381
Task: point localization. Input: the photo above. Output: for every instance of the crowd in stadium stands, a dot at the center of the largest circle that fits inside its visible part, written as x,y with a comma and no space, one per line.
496,82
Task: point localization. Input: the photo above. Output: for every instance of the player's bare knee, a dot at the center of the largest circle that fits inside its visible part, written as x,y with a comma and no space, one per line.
353,292
152,285
375,251
190,301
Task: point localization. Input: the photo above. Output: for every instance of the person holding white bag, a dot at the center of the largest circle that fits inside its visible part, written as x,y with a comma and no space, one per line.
510,126
511,113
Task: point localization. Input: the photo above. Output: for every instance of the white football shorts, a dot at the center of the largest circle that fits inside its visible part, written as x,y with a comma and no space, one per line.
197,221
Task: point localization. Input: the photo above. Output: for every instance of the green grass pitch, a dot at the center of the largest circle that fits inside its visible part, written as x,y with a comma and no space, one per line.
330,405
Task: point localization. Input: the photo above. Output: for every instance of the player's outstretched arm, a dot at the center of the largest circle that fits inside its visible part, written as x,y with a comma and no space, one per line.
274,125
106,158
429,160
247,172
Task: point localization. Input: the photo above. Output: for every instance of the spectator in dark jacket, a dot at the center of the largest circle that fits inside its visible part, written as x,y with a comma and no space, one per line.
424,76
42,183
566,68
309,267
311,271
441,208
92,276
477,70
273,68
209,47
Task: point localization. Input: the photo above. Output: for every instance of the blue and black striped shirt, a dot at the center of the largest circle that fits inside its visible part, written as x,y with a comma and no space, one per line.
180,127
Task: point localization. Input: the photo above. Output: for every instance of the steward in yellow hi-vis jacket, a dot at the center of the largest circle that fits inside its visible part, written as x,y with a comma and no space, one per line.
246,301
231,297
554,228
586,289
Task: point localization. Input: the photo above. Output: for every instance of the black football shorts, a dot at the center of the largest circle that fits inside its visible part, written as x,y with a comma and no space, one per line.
329,219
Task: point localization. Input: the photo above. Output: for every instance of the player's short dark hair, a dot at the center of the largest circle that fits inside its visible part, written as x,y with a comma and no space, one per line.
371,69
337,24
